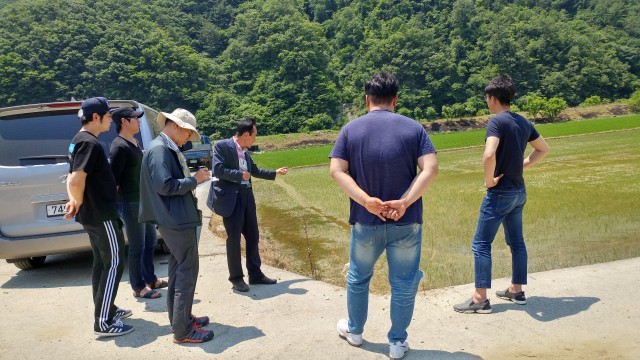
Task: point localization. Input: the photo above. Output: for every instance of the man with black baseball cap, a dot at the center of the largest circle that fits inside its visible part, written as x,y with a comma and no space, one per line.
126,157
92,200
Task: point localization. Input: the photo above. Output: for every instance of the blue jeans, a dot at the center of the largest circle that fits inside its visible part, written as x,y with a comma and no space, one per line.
500,207
142,241
403,244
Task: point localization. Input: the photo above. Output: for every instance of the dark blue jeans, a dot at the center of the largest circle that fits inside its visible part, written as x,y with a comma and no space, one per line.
500,207
142,241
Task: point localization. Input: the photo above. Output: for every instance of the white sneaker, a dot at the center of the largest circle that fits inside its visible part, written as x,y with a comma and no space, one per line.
397,349
343,331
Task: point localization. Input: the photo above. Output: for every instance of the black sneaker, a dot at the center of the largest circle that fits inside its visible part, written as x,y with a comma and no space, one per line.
116,328
517,298
469,307
196,336
122,313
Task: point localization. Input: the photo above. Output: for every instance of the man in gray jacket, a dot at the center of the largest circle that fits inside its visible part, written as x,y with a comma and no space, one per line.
167,199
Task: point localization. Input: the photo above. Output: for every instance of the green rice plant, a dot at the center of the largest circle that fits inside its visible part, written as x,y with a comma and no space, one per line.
320,154
582,208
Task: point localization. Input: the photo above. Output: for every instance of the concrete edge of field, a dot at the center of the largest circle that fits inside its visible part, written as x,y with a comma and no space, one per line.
587,312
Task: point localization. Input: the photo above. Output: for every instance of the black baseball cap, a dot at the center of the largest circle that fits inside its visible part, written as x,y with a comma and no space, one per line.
125,113
94,105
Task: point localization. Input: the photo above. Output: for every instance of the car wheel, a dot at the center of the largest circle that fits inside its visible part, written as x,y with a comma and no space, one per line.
30,263
164,247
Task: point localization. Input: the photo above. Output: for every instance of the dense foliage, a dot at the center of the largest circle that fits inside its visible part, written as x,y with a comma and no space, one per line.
301,64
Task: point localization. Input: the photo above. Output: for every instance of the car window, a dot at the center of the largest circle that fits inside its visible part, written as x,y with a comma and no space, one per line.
42,138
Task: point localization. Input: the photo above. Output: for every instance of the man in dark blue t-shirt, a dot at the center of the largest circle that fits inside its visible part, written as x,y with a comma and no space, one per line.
375,161
505,142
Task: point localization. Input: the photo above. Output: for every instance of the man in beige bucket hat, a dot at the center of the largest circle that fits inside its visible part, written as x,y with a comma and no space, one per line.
167,199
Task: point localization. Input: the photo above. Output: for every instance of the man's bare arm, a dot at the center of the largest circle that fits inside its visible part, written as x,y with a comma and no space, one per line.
489,162
76,182
540,150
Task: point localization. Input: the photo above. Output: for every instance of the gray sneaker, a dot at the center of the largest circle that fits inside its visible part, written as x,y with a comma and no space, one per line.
517,298
469,307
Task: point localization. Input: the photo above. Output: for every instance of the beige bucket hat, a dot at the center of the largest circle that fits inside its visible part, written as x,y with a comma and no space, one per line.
182,118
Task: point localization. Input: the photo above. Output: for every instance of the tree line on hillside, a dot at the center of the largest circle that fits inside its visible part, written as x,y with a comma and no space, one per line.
301,65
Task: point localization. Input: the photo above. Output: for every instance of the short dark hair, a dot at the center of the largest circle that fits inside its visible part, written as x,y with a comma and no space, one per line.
118,123
245,125
502,88
87,118
382,87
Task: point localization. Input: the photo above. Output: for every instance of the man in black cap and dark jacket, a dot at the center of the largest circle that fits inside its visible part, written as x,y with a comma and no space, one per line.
126,158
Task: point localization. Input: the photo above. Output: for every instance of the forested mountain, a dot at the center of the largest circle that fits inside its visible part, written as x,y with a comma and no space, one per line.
301,64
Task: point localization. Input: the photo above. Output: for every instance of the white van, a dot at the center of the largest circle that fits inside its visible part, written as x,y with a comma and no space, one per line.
34,164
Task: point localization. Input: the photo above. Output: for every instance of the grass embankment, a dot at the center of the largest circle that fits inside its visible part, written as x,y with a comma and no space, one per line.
582,209
318,155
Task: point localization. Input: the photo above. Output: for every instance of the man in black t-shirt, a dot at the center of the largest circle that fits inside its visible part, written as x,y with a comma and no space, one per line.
92,200
506,139
126,157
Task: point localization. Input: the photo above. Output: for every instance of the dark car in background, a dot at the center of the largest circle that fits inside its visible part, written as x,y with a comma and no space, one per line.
34,164
199,153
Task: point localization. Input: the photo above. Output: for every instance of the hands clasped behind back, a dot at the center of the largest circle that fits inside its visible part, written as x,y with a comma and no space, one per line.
391,209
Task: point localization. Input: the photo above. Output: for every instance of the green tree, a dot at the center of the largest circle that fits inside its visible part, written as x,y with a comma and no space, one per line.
634,102
447,112
592,100
553,107
534,105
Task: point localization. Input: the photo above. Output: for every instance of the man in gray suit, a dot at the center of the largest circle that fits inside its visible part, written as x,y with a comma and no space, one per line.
232,198
167,199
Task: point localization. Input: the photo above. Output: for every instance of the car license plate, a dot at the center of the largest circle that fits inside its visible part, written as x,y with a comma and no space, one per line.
193,161
55,210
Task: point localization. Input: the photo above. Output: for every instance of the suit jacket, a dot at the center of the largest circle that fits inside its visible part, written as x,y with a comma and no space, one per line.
223,194
166,195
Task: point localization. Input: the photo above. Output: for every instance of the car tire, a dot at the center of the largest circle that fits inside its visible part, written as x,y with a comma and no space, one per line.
165,249
30,263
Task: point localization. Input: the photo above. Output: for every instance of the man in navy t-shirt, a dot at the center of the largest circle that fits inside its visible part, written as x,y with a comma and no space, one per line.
505,142
375,161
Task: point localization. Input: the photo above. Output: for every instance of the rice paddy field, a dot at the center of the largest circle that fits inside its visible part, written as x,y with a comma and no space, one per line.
583,208
317,155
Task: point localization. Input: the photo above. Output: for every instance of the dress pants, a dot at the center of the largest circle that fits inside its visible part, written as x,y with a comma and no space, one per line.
243,221
183,275
107,244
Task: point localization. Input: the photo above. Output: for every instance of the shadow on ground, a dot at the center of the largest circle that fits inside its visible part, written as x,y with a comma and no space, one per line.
383,348
269,291
146,332
72,269
548,309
